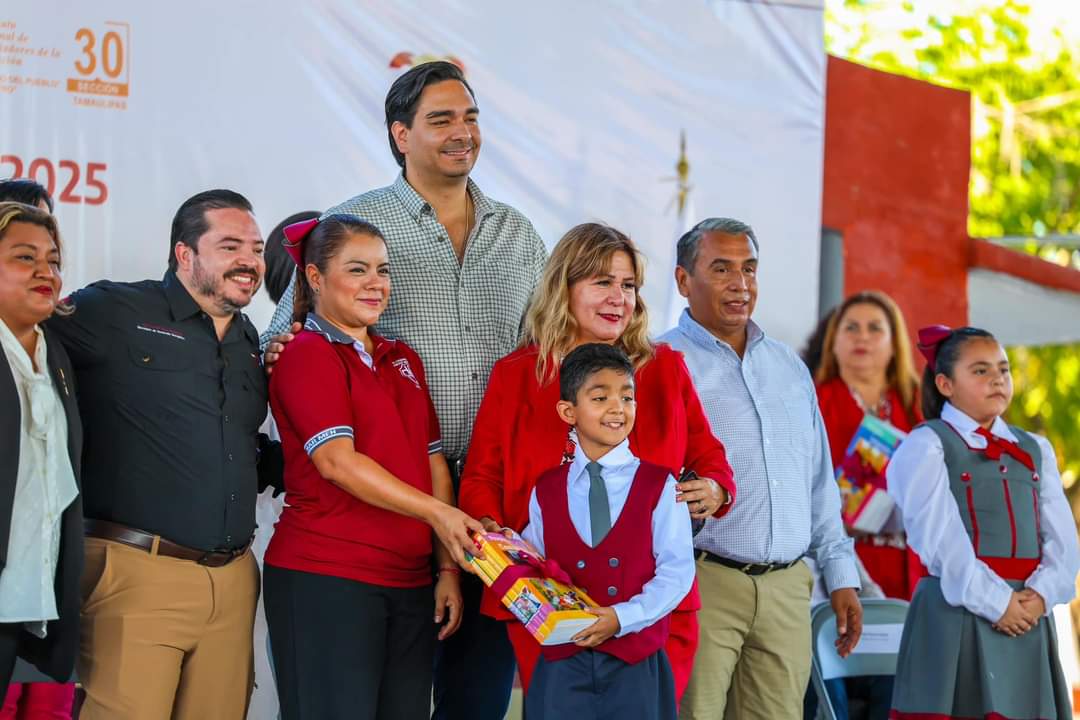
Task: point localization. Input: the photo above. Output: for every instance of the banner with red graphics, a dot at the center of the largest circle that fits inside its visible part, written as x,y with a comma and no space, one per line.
124,108
603,110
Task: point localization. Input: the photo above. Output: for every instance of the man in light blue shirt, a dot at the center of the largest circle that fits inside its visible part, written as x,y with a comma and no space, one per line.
754,656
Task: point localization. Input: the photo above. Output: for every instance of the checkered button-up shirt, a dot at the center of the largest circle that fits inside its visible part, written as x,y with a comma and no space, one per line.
764,409
460,318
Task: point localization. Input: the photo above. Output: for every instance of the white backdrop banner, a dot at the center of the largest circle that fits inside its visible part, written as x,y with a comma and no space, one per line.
126,108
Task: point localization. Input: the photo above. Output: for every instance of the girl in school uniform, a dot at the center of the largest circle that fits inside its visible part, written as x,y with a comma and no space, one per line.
984,508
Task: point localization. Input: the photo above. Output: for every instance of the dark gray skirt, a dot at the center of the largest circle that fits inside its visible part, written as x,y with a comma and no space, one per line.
952,664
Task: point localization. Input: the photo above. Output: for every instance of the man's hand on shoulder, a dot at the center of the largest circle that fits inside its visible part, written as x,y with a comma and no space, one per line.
277,346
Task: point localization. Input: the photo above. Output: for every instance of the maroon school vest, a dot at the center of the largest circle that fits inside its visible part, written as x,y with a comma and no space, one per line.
616,569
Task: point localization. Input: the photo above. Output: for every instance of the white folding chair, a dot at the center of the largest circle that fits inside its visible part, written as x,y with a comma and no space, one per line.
883,623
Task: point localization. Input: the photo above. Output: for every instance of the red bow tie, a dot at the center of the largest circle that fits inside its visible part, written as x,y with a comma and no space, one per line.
995,446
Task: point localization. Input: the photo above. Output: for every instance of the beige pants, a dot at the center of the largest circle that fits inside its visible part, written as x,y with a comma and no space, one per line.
753,660
165,638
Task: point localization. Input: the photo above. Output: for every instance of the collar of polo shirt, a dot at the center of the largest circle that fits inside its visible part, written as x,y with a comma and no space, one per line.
317,324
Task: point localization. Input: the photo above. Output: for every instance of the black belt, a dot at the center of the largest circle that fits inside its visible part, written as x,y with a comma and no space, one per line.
133,537
748,568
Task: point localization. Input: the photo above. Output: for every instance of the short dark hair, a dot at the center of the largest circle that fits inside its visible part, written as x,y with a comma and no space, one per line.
584,361
280,268
189,224
25,191
321,245
948,352
686,250
404,95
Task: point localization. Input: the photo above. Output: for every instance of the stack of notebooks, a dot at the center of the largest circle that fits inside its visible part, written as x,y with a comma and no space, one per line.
861,475
551,610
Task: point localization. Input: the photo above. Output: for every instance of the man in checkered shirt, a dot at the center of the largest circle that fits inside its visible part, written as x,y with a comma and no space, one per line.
463,268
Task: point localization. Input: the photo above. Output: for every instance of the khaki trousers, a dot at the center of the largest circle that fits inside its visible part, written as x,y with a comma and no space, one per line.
753,660
164,638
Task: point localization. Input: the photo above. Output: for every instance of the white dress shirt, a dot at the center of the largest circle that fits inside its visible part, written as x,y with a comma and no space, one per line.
44,487
919,483
672,541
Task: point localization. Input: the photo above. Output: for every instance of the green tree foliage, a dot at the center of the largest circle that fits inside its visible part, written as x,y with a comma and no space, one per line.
1025,176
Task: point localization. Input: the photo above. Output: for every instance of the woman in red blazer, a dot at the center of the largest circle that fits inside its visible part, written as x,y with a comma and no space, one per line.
589,293
866,367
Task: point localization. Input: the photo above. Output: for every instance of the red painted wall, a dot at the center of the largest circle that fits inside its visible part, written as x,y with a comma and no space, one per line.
897,161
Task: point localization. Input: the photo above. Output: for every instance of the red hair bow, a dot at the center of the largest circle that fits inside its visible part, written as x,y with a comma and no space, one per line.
295,235
930,339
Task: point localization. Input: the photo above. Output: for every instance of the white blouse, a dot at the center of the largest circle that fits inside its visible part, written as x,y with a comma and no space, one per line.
918,482
44,487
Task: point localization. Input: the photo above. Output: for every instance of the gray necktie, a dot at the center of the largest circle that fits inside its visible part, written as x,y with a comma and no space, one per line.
599,512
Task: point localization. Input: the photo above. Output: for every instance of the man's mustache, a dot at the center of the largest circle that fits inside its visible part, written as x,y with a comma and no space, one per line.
251,272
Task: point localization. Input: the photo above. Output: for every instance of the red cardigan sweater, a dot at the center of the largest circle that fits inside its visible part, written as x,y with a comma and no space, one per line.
518,435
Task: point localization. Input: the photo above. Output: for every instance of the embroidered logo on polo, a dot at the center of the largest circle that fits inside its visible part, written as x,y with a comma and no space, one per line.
326,435
159,330
402,364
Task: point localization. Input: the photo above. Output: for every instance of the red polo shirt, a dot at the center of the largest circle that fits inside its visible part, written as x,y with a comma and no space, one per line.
325,387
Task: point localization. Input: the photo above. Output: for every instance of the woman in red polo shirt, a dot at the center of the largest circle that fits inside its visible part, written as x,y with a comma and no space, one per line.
348,572
589,293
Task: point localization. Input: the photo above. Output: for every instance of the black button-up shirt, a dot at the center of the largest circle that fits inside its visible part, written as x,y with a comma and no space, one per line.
170,413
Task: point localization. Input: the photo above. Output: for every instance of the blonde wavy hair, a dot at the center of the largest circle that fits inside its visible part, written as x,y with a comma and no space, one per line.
900,374
15,212
585,251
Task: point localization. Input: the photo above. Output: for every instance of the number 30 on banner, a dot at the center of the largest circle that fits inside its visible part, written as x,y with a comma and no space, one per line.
102,62
42,170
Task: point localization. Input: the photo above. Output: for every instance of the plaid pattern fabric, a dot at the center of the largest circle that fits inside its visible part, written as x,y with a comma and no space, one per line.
460,319
764,409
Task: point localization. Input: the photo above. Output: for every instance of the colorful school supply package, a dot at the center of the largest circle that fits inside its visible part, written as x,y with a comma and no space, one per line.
866,507
537,591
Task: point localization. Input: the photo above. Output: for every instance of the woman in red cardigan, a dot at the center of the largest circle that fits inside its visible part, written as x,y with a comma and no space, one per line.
866,367
589,293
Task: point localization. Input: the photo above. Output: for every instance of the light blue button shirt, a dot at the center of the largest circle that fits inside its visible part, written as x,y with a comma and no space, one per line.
763,407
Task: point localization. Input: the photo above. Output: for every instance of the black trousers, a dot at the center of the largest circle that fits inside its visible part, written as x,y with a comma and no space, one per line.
9,650
348,650
474,667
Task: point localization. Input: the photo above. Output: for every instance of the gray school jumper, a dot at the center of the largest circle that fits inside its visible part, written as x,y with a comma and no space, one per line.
952,663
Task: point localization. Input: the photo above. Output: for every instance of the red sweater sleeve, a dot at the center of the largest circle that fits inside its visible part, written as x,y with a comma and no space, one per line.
481,493
705,454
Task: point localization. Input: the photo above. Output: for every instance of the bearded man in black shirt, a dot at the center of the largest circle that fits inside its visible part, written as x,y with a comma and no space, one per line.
172,394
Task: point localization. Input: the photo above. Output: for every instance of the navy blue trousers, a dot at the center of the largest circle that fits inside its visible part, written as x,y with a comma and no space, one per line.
474,667
593,685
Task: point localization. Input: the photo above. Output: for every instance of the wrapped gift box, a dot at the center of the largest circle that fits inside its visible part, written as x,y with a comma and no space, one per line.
535,590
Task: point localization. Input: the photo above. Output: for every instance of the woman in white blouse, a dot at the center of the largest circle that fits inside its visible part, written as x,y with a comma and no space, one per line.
40,443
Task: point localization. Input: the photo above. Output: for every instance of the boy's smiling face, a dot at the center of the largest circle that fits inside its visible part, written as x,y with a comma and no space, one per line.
603,412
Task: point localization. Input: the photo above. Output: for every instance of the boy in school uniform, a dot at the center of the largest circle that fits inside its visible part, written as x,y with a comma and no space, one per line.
612,523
